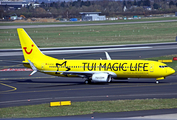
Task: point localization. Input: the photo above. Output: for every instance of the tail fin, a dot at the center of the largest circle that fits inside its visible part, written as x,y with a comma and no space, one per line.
30,50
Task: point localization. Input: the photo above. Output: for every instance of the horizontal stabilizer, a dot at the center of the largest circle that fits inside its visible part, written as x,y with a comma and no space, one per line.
33,67
32,73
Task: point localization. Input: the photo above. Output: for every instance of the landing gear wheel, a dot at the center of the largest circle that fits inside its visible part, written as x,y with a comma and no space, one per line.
87,81
157,82
109,79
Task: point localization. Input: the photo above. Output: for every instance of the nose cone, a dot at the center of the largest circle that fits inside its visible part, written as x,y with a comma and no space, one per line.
171,71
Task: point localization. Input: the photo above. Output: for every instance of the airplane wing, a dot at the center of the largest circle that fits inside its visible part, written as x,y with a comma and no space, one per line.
97,76
83,74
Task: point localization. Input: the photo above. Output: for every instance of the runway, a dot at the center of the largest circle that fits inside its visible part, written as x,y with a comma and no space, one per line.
21,90
81,24
17,88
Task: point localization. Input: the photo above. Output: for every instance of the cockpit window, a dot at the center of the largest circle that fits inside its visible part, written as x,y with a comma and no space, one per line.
161,66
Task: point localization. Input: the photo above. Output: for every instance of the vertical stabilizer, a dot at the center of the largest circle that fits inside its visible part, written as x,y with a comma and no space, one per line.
29,48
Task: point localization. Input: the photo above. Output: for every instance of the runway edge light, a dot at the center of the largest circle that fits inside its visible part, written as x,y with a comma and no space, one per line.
60,103
174,58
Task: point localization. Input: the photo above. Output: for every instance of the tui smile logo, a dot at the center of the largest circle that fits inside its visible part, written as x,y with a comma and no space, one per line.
25,48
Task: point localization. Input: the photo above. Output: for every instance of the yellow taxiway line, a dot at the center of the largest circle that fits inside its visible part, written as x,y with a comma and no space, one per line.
13,88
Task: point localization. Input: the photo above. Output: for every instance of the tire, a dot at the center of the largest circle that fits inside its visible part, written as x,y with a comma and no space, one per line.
109,78
87,81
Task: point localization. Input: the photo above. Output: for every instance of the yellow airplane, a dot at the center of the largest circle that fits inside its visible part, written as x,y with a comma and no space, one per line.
92,70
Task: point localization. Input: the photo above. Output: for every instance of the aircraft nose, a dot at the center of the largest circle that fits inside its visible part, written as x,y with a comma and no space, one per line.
171,71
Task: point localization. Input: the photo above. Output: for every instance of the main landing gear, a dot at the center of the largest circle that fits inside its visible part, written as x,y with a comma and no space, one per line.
88,81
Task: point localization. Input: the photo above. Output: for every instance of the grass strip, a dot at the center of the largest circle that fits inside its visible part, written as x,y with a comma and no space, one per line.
93,35
89,107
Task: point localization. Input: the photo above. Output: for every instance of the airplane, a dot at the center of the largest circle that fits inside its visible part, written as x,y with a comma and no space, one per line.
91,70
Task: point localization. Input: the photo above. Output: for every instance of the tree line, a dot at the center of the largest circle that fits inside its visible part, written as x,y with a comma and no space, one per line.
110,8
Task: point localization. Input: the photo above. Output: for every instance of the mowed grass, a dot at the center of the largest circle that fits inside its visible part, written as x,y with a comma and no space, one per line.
89,107
93,35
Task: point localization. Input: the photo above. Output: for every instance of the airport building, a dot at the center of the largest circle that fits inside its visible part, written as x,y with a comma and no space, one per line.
17,4
92,16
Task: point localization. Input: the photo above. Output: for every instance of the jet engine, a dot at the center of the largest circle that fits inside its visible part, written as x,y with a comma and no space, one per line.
101,77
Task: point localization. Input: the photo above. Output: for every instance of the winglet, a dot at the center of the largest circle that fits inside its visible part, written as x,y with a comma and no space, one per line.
107,56
33,67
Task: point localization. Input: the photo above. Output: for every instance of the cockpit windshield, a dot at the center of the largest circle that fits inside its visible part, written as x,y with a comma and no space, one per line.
162,66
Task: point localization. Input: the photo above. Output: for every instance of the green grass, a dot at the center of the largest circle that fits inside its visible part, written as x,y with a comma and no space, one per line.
80,108
94,35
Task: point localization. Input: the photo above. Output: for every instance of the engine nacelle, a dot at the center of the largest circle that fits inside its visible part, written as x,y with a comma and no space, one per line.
101,77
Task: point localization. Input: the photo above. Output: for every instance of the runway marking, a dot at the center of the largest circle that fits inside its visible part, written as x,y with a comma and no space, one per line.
117,95
26,100
13,88
138,85
59,90
105,49
16,69
81,97
90,24
18,65
26,78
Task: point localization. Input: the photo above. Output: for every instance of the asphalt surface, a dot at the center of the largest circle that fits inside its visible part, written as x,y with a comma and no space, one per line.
72,25
116,50
45,89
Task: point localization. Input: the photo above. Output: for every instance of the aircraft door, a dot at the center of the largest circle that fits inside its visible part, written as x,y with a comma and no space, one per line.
42,66
151,69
